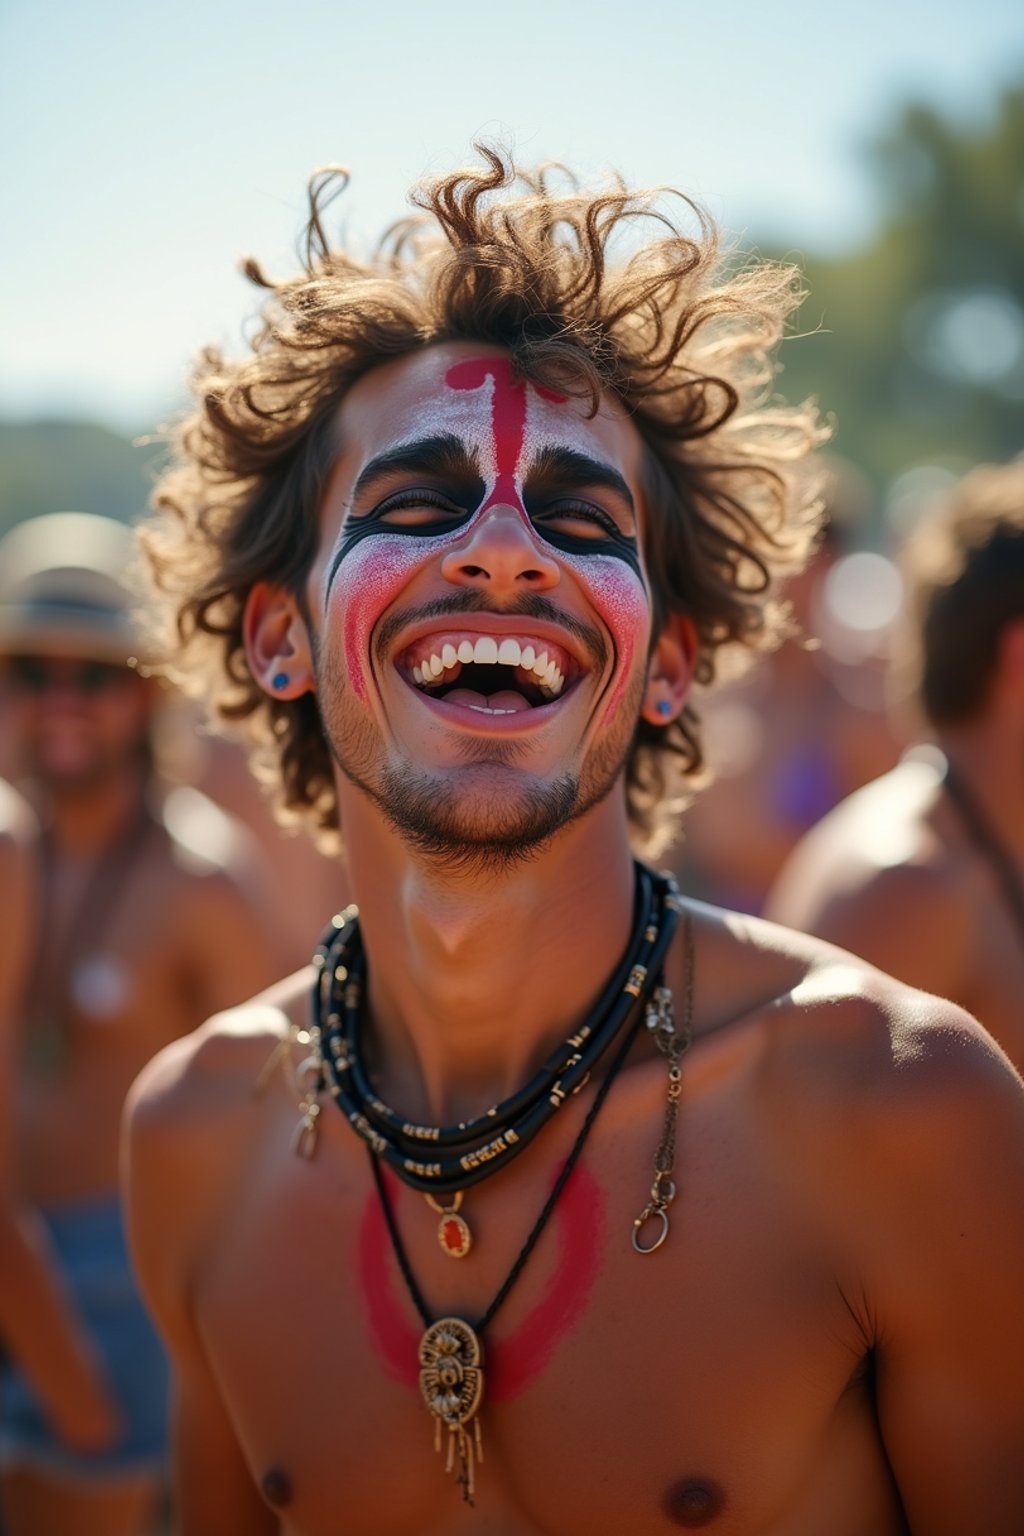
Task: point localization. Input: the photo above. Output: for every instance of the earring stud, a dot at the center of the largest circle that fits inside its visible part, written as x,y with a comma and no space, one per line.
280,680
664,708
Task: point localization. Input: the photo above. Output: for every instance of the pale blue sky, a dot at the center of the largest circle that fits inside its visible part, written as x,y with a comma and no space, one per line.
148,146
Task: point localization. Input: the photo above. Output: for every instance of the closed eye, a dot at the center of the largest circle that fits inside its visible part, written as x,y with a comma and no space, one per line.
579,519
408,509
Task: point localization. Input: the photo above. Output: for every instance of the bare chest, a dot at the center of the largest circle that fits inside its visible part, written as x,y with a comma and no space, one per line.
715,1384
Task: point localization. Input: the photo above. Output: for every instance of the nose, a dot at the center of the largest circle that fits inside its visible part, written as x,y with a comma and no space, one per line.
501,555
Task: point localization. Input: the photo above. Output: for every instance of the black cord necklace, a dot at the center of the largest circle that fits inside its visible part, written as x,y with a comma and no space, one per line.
988,843
448,1160
451,1352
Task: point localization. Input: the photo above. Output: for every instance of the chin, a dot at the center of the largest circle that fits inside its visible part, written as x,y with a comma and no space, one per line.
483,814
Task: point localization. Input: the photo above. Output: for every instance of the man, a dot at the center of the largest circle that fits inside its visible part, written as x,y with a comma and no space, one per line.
922,872
792,738
456,538
124,935
35,1326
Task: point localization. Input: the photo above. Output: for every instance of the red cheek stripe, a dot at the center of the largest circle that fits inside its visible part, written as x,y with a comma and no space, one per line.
508,419
516,1359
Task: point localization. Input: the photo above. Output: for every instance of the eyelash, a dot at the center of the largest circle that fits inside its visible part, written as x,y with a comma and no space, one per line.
401,501
584,510
404,500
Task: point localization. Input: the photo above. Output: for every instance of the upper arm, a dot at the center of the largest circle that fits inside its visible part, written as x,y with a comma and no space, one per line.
904,919
170,1200
946,1259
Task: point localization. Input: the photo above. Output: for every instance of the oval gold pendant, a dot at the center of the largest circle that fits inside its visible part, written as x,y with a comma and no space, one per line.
454,1235
452,1231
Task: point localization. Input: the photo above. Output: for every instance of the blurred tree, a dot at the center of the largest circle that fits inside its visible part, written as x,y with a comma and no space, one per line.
920,351
71,466
915,341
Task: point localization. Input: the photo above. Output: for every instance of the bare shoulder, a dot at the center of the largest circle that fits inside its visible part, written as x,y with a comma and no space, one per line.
875,878
190,1123
208,1077
878,837
878,1070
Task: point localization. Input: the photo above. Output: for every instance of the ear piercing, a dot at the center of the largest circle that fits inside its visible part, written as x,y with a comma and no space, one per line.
280,680
664,708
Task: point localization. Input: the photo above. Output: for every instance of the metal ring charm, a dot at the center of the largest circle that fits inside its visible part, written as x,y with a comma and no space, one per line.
641,1221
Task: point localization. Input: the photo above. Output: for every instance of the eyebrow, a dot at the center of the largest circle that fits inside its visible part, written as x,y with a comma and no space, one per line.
568,465
442,455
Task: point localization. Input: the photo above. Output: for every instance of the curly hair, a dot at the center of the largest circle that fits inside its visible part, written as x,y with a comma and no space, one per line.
964,572
523,259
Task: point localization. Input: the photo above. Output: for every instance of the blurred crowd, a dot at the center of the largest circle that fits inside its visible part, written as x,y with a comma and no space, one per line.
865,785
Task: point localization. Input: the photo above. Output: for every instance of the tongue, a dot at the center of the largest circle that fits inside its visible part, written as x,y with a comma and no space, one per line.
507,699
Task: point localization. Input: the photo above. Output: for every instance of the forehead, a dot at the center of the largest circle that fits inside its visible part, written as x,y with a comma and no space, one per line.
411,398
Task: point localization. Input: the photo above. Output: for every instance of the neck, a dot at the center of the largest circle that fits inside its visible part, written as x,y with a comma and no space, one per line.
474,979
84,820
989,759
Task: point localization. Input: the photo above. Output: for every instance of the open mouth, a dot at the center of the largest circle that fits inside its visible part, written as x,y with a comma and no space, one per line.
490,673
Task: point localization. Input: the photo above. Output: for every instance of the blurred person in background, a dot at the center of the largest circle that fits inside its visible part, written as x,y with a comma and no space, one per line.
802,730
37,1329
130,929
922,871
306,882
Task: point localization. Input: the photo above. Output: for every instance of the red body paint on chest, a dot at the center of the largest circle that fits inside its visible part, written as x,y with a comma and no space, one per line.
511,1361
508,419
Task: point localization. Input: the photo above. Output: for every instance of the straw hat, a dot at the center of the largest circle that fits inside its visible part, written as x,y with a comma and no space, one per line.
64,589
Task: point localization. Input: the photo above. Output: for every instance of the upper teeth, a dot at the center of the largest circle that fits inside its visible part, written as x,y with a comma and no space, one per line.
487,651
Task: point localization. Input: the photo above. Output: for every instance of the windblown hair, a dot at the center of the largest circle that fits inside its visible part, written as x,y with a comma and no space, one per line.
522,260
964,571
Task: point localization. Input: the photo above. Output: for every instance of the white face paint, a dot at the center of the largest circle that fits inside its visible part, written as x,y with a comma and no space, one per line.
504,424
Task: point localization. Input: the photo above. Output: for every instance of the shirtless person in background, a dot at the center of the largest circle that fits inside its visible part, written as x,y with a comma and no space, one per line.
457,537
36,1328
124,937
922,871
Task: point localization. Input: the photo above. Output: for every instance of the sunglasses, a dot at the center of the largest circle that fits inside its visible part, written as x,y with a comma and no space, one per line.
39,675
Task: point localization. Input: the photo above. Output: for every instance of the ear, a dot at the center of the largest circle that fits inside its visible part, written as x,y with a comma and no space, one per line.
277,644
670,670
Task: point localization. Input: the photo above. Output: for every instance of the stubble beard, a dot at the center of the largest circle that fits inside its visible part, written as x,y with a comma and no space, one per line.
494,818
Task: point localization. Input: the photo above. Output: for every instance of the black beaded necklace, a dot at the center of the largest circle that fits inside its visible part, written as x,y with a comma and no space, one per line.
449,1159
451,1349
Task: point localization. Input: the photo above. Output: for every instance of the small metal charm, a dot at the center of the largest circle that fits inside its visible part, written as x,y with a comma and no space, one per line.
452,1384
304,1137
672,1045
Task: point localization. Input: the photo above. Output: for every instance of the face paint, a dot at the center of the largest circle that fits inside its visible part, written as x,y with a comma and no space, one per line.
508,422
514,1361
519,424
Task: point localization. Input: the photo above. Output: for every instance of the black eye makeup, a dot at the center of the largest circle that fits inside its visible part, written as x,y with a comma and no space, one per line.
560,515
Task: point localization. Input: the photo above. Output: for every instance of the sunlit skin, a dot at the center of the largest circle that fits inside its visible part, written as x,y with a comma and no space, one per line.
513,1361
176,938
806,1355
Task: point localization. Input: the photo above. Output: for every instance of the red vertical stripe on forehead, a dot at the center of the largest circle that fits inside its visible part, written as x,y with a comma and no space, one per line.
508,417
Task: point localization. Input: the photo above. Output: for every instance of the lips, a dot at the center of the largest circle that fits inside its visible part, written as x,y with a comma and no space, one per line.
494,673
